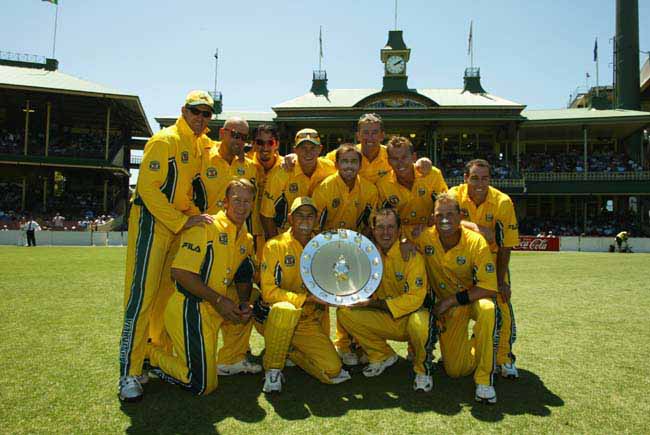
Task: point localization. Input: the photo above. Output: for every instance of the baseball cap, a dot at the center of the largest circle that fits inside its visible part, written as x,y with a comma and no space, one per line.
199,98
302,200
307,135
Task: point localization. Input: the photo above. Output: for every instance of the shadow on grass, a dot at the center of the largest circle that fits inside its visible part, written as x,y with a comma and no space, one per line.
169,409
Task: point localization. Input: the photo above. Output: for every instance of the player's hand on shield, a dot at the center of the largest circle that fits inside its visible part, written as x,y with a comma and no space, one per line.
198,219
244,311
228,309
289,162
504,292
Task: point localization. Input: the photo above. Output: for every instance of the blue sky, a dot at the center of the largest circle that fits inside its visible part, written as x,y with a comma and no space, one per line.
535,53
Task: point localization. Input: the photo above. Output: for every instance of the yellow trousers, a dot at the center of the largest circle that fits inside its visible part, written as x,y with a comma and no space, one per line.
462,355
236,336
147,253
287,334
192,327
371,328
507,332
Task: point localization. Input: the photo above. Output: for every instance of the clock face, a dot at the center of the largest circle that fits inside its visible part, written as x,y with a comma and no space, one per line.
395,64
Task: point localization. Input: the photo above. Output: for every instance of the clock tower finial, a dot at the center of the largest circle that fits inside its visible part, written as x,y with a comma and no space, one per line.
395,55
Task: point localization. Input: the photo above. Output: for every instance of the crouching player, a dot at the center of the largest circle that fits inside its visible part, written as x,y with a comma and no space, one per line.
395,310
210,257
463,275
295,316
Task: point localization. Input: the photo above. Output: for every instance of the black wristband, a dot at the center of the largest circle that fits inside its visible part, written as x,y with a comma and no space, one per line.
462,298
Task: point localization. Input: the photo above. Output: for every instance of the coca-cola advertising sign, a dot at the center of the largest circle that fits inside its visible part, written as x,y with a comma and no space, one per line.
532,243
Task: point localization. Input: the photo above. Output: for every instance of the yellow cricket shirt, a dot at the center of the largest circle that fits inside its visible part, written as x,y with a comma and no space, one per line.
170,164
215,252
403,284
282,187
216,173
371,171
467,264
415,205
281,280
262,176
497,213
341,207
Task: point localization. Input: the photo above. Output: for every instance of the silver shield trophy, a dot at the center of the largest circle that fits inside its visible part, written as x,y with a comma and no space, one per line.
341,267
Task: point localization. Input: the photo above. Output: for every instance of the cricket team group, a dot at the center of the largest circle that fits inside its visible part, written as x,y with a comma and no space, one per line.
216,234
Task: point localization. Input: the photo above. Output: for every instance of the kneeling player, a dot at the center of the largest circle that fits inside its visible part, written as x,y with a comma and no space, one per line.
295,317
395,311
463,275
210,257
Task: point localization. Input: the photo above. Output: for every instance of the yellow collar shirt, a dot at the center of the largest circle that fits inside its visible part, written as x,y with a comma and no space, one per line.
262,175
282,187
215,252
216,173
341,207
467,264
403,284
170,164
414,205
371,171
497,213
281,280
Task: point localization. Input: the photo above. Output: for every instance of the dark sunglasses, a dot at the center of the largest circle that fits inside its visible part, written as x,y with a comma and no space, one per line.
196,112
236,135
261,143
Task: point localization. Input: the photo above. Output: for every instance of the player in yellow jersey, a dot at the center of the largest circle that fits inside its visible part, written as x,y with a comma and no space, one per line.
344,199
162,207
494,214
407,190
395,310
209,259
294,320
283,186
463,275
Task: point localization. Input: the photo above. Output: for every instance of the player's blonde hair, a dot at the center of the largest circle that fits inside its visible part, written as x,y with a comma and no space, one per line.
347,147
371,118
243,183
399,142
447,197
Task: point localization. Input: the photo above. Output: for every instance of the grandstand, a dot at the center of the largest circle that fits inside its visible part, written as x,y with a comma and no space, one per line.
64,142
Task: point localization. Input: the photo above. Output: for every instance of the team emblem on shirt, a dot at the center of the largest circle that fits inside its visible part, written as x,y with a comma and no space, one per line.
293,187
413,214
154,165
464,212
336,202
422,191
382,173
393,200
429,250
419,282
489,217
242,249
185,157
489,268
263,266
289,260
223,238
211,172
240,171
442,285
220,203
399,276
460,260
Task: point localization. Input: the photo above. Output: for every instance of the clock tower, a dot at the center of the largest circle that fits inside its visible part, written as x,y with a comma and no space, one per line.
395,55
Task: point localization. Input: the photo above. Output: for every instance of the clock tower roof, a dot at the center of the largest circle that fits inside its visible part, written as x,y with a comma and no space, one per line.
395,41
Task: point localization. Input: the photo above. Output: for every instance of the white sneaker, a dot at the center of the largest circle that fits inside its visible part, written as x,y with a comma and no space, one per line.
341,377
243,366
423,383
349,358
130,389
508,370
376,369
289,363
485,394
143,378
273,379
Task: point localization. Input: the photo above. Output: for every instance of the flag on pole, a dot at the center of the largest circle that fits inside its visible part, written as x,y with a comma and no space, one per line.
320,41
596,50
54,2
469,41
588,75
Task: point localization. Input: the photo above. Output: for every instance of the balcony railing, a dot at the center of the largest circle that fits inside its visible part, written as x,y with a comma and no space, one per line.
588,176
496,182
136,159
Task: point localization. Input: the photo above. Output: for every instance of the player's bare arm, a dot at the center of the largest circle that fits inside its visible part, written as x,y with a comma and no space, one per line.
269,227
503,263
464,297
198,219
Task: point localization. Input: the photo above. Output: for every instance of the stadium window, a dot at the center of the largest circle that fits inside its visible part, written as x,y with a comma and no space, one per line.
609,205
633,204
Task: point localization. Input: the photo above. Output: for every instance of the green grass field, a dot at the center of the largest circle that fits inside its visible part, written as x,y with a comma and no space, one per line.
583,346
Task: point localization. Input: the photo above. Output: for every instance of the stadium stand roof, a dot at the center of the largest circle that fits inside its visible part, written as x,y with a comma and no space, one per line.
645,77
583,115
40,79
448,98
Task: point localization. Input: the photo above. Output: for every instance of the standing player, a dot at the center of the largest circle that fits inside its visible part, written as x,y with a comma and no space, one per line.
492,211
209,259
295,316
344,199
162,207
462,274
285,185
395,310
407,190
